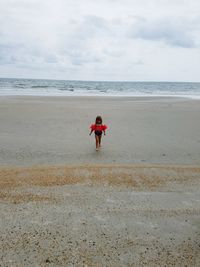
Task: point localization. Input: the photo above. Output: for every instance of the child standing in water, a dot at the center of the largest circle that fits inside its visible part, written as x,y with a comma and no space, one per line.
98,129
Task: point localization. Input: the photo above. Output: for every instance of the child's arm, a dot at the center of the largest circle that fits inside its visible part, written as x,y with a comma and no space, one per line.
92,127
104,129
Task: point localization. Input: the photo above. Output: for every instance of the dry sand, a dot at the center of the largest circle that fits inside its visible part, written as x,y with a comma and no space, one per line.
134,203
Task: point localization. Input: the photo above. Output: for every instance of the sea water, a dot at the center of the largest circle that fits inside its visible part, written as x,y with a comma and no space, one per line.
97,88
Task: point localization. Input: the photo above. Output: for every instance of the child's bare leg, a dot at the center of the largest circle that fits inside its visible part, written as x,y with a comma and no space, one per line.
100,140
97,141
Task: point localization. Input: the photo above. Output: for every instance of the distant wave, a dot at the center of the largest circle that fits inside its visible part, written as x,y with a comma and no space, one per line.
40,86
20,86
91,88
66,89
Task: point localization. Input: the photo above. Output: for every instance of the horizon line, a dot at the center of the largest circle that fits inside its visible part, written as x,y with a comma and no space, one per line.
79,80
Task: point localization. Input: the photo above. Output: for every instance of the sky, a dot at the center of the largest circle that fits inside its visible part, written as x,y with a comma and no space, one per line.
112,40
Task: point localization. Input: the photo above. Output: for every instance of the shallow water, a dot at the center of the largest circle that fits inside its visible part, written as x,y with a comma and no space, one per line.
81,88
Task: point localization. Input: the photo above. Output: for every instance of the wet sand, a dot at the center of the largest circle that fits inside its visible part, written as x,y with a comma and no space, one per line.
136,202
55,130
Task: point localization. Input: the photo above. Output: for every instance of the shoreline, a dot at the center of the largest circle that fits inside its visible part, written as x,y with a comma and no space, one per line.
186,97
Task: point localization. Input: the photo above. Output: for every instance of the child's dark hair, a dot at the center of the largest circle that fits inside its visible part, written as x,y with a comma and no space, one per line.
98,120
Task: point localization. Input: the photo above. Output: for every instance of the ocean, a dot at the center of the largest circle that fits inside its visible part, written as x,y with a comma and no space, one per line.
36,87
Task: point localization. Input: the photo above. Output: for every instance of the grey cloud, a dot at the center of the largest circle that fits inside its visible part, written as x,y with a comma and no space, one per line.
113,52
51,59
174,32
7,55
91,26
21,56
76,44
138,62
79,58
96,21
57,35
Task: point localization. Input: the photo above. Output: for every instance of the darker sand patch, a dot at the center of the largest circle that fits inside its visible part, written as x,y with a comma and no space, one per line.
16,198
137,177
148,177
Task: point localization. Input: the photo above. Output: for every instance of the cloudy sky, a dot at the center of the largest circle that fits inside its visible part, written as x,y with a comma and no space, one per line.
132,40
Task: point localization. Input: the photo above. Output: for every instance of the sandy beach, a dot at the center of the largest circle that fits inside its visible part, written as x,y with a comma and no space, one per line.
136,202
55,130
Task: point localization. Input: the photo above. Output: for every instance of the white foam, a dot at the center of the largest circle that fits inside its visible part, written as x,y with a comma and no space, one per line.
91,93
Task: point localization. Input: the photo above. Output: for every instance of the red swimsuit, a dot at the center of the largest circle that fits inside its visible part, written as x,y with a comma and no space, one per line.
98,128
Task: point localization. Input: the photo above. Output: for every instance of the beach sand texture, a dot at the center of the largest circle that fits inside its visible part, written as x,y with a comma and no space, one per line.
136,202
55,130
